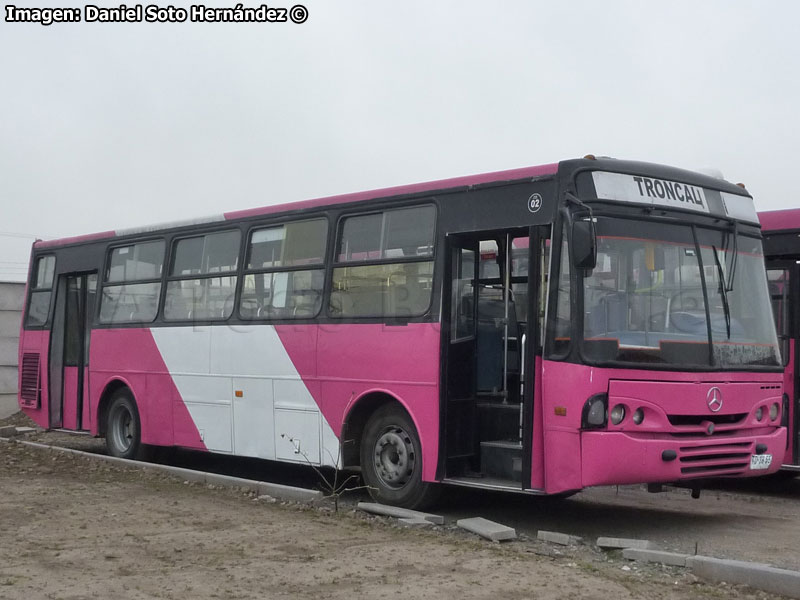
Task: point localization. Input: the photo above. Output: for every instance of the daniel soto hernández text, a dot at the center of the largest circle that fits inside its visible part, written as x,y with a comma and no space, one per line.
154,13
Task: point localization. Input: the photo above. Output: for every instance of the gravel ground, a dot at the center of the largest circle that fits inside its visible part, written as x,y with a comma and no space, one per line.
73,527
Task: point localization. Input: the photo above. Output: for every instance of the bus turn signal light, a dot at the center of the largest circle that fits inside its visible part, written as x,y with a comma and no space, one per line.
238,393
561,411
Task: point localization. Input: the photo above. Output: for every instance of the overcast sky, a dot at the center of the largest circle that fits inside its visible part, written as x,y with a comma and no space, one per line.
106,126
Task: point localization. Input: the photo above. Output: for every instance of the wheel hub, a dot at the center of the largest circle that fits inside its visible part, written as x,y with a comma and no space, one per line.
122,430
394,457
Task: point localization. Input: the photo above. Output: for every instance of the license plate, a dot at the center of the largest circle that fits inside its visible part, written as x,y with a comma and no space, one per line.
760,461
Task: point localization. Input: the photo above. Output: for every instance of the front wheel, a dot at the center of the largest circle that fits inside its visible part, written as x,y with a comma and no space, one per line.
391,460
123,427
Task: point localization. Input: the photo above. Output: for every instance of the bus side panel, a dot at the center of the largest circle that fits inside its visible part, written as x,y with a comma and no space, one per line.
243,392
273,408
132,356
537,458
403,360
36,343
565,389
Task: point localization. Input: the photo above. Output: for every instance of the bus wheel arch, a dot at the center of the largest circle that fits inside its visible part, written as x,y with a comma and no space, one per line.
390,453
355,422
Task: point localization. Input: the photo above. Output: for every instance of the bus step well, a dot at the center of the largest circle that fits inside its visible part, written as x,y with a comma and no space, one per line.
502,460
498,421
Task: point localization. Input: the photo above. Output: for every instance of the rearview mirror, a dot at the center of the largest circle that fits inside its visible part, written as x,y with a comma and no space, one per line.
584,244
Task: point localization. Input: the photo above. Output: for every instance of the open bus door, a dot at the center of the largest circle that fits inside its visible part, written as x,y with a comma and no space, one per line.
69,351
494,309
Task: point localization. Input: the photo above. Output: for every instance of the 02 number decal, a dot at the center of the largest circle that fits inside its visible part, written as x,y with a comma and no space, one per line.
535,202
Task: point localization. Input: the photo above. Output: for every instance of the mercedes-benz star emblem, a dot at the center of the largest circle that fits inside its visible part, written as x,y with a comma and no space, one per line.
714,399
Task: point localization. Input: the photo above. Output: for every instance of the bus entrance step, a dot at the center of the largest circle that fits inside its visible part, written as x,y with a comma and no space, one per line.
498,421
502,459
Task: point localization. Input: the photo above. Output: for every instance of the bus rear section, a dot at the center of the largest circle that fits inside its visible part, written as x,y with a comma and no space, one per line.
781,229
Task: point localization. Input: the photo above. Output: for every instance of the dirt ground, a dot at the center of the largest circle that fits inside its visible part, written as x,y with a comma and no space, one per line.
73,527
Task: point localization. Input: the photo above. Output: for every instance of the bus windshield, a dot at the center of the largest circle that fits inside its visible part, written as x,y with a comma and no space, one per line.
651,298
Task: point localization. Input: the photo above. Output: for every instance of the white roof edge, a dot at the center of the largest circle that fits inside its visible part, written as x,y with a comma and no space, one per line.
170,225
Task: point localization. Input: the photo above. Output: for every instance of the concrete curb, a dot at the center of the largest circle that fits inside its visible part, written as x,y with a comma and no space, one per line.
672,559
276,490
399,513
554,537
756,575
10,431
622,543
414,523
496,532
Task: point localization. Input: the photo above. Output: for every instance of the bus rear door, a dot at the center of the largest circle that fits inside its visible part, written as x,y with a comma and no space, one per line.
69,350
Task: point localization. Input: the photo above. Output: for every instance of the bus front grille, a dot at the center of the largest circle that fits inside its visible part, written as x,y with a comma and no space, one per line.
715,459
697,420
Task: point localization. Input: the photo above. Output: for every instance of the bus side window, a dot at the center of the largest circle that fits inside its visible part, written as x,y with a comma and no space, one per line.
398,279
212,261
284,273
132,283
41,292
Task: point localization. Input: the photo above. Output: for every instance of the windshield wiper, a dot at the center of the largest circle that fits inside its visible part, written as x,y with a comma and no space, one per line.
723,292
734,257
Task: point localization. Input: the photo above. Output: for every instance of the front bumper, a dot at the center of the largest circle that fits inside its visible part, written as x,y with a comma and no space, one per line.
609,458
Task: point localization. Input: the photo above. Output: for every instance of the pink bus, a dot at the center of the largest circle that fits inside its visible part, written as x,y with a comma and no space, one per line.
781,229
613,333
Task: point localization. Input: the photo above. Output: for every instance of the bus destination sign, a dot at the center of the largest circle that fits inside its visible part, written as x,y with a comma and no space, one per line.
673,194
648,190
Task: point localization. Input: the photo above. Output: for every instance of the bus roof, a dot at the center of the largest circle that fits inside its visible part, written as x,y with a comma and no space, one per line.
735,209
777,220
441,184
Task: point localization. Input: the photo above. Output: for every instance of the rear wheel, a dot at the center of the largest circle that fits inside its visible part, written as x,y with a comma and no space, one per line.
391,460
123,427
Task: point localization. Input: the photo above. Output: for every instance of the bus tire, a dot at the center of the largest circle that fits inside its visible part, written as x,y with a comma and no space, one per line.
391,460
123,426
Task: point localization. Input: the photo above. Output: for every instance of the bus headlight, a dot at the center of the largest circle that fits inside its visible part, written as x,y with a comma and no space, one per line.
638,416
773,411
595,412
617,414
759,413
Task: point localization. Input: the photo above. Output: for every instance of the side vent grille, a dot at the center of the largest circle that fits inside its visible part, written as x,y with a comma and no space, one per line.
29,380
